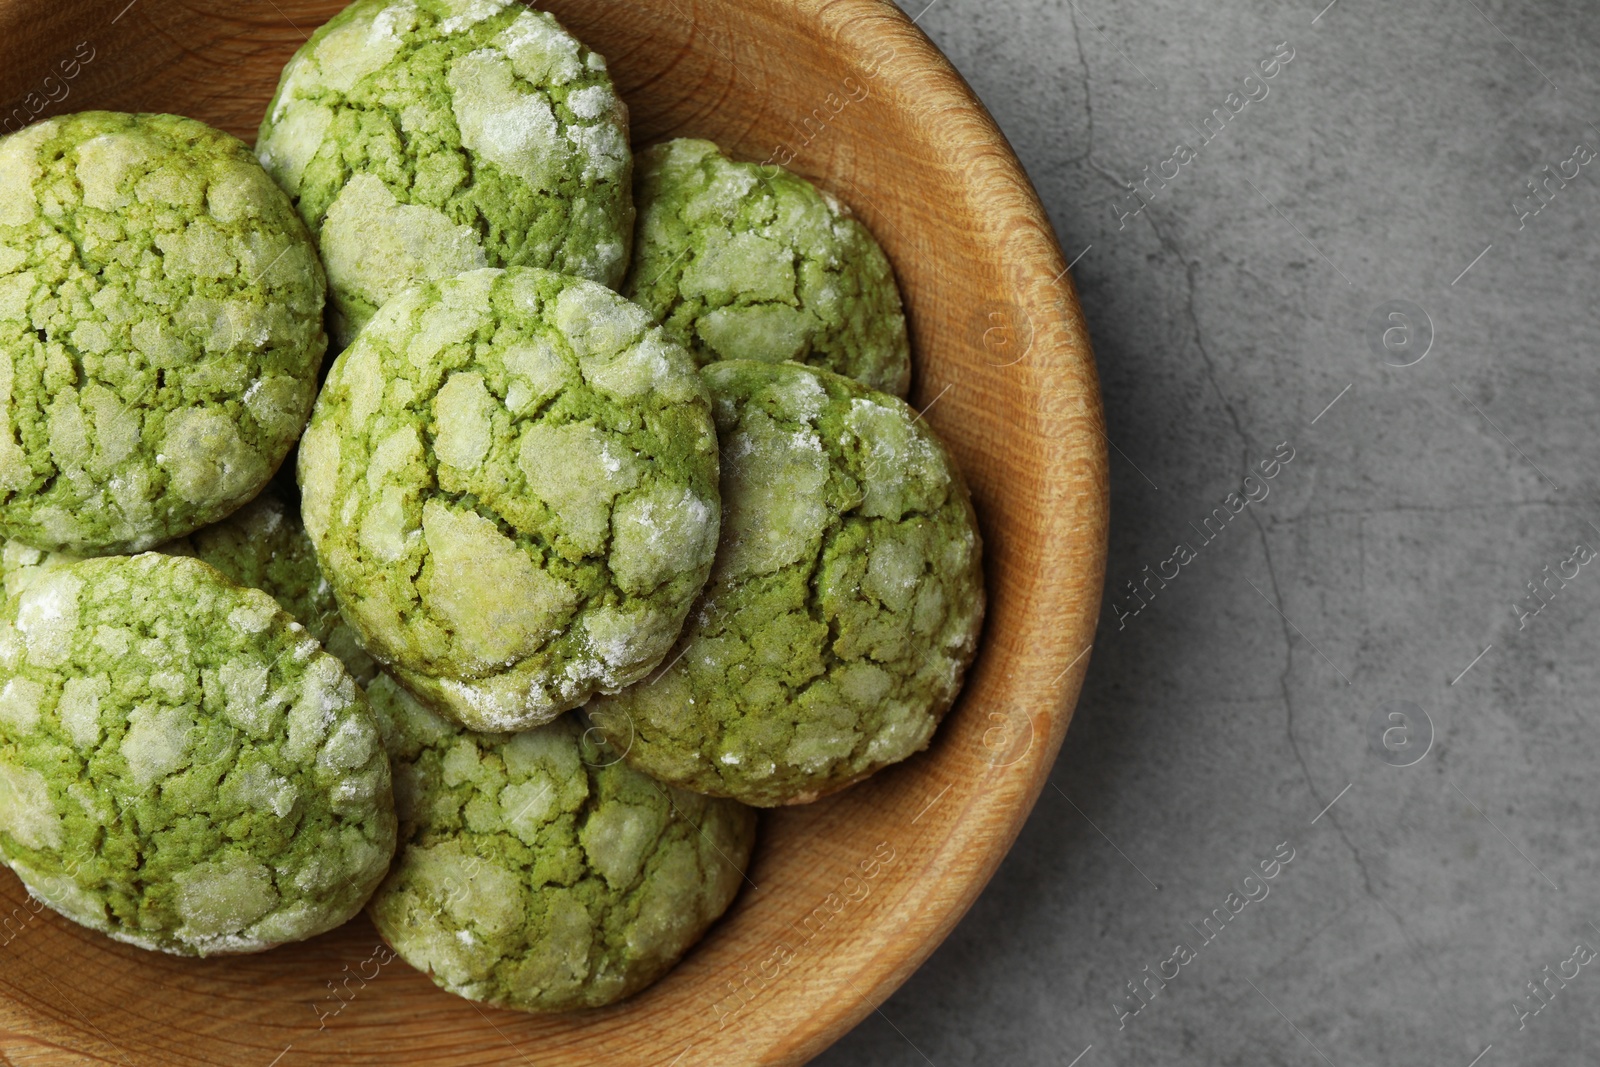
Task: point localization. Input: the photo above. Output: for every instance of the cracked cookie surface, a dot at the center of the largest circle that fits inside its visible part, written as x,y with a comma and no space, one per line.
181,766
160,330
511,483
423,138
843,608
539,872
742,261
261,546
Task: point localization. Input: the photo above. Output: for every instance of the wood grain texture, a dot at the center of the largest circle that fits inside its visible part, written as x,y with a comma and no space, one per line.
845,897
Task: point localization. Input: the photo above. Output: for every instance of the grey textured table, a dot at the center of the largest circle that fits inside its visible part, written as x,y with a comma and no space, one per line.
1380,660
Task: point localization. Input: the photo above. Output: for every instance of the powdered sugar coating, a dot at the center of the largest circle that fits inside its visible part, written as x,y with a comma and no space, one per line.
844,606
262,546
160,330
539,872
422,138
741,261
181,767
511,483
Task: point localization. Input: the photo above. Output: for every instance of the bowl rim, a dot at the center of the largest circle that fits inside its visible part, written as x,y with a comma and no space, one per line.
1072,421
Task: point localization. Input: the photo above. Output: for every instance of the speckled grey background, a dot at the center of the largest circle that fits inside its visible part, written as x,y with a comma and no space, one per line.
1385,570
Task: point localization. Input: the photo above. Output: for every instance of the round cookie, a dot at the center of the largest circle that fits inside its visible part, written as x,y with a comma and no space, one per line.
423,138
160,330
741,261
539,872
181,766
261,546
511,482
844,606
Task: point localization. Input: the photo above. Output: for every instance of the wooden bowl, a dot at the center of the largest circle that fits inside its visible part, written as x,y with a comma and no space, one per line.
847,896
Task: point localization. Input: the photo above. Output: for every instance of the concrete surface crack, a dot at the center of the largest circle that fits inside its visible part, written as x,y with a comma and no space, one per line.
1191,270
1305,768
1284,688
1088,96
1088,110
1434,509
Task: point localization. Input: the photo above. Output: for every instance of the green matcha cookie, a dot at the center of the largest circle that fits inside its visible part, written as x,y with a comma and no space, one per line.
844,606
423,138
160,330
537,871
181,766
261,546
511,482
737,263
